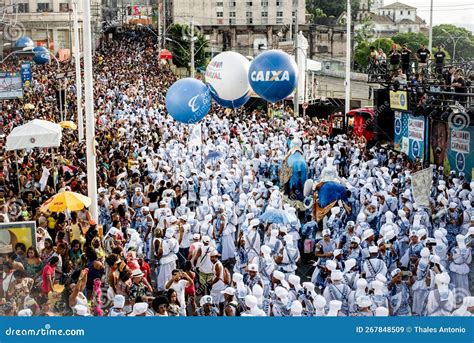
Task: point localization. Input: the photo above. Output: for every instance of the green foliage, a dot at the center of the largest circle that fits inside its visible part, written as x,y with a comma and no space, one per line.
411,39
331,8
365,32
361,52
463,37
180,46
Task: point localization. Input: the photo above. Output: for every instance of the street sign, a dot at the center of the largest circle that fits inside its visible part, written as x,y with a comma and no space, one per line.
305,105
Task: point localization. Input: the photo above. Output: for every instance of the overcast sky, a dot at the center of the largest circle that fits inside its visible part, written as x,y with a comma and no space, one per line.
457,12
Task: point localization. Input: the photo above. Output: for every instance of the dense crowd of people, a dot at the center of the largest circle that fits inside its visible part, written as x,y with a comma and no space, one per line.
179,230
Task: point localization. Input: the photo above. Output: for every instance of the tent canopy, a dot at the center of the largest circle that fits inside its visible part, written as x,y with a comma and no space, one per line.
311,65
35,134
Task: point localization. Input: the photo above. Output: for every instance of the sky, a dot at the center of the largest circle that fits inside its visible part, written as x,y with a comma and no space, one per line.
456,12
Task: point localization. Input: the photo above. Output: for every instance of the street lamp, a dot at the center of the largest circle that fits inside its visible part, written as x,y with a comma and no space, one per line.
455,41
17,52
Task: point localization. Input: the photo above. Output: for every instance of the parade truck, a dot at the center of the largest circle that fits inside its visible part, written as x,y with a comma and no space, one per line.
359,121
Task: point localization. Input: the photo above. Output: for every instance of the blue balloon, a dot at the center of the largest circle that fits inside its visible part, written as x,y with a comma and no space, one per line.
229,103
24,42
41,55
188,100
273,75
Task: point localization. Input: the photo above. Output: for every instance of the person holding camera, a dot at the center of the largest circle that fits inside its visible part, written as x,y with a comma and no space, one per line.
179,282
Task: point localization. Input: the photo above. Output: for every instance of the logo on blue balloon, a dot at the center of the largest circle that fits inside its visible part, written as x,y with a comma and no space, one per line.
188,100
41,55
273,75
460,161
416,149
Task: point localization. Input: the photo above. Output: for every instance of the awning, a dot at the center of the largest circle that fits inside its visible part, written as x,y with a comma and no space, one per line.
165,54
35,134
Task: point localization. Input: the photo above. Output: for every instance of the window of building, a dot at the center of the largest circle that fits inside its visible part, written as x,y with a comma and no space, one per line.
264,3
220,4
232,4
388,12
220,14
64,7
265,14
408,12
248,14
249,3
232,14
279,14
43,7
249,20
231,21
278,3
401,12
279,20
383,12
23,8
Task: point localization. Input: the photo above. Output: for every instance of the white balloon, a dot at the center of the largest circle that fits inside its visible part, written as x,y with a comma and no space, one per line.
227,74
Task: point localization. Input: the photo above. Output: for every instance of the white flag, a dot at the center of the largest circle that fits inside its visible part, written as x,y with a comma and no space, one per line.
195,137
421,186
44,179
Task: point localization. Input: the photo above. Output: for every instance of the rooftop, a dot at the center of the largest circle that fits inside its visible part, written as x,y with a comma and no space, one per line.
381,19
397,5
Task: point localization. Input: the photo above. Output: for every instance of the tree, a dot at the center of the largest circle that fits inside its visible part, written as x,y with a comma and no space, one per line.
445,35
331,8
366,31
411,39
180,46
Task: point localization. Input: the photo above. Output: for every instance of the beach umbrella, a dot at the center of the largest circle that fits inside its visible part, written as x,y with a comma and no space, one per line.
66,201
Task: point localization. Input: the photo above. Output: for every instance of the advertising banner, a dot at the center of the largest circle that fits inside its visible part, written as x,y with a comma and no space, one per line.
398,100
452,147
410,134
10,86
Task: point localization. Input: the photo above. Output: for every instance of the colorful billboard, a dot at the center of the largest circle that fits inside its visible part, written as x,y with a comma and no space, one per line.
410,135
10,85
17,232
452,147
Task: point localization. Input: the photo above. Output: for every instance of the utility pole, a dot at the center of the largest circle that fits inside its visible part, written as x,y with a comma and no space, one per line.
90,119
164,23
77,62
347,83
158,22
192,47
296,105
430,35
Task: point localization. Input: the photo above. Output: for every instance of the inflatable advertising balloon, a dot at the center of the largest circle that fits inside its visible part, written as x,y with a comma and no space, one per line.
188,100
226,76
24,42
273,75
41,55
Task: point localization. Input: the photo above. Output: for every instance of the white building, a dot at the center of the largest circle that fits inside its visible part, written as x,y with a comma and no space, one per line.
238,12
48,22
398,17
368,7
